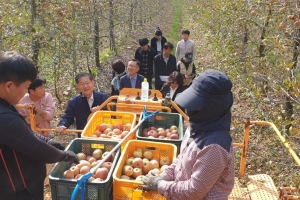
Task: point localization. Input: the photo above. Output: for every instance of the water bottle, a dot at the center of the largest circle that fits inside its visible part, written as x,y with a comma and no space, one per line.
168,100
145,90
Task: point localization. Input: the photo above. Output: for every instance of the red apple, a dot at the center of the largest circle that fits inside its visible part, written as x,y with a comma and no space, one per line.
118,126
97,153
173,127
154,163
102,127
83,163
68,174
108,159
92,159
97,133
174,136
110,126
161,137
164,161
103,136
107,165
162,133
75,170
129,161
124,133
81,156
137,163
138,153
101,173
127,170
107,130
147,166
136,172
152,128
84,169
117,131
148,155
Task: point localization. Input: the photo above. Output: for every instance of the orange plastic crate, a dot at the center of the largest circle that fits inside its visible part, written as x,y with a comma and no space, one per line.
129,189
110,117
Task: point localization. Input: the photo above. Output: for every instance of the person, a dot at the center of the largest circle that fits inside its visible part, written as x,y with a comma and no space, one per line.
164,65
24,153
119,68
145,55
204,169
132,79
173,86
187,68
185,45
44,105
158,41
82,105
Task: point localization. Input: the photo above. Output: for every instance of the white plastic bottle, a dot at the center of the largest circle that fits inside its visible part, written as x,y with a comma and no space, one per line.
145,90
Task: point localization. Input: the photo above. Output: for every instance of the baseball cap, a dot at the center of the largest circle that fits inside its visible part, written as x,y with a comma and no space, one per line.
189,56
209,84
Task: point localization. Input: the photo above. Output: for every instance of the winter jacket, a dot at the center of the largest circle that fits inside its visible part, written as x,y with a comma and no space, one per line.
125,81
139,56
23,153
163,69
79,109
154,45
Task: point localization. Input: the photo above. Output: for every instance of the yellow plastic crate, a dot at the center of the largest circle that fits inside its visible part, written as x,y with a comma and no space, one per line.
129,189
110,117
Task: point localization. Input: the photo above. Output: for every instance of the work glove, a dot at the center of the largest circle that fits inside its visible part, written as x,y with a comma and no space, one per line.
151,183
56,144
71,156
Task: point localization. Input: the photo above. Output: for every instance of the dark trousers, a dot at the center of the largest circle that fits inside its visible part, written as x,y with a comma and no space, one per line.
25,195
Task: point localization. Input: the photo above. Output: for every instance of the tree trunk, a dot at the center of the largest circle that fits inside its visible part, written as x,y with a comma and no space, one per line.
96,38
112,42
35,40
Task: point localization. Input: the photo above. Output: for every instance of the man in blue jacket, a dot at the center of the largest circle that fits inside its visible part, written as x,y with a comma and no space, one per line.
132,79
81,106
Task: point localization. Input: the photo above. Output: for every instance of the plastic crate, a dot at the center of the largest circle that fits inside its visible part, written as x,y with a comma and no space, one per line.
109,117
163,120
62,188
129,189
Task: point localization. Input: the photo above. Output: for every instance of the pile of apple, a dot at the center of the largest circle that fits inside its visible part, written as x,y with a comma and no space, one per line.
113,132
161,133
86,163
142,164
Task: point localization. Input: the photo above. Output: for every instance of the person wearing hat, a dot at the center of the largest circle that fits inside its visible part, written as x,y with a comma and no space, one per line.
145,55
204,169
158,41
187,68
185,45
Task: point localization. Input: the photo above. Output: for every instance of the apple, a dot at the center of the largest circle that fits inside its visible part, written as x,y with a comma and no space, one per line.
97,153
75,170
84,169
152,128
167,130
138,153
147,166
162,133
161,137
153,172
107,165
115,137
174,132
125,177
94,136
154,163
102,127
91,179
68,174
127,170
137,163
145,160
97,133
117,131
174,136
136,172
173,127
129,161
108,159
164,161
168,134
124,133
94,164
92,159
139,178
78,176
118,126
163,168
81,156
148,155
101,173
107,130
103,136
153,133
110,126
127,127
83,163
110,134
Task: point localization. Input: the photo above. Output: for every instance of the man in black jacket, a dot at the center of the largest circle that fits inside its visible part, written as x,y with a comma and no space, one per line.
158,41
145,55
164,65
23,153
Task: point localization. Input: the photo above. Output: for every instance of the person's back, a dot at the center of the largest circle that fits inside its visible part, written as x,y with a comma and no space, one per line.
82,105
